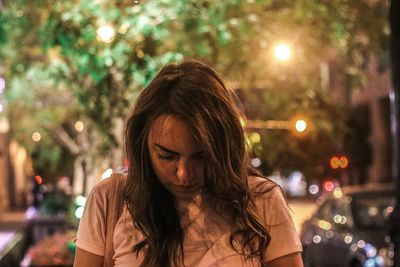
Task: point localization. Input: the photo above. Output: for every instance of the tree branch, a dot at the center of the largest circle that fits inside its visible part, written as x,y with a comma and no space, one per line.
67,141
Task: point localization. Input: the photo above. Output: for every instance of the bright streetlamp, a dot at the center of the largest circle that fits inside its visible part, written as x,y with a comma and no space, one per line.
282,52
300,125
105,33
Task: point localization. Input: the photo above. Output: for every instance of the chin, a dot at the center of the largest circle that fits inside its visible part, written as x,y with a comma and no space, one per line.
185,194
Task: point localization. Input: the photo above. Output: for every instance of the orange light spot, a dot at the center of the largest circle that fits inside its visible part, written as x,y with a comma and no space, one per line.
343,162
38,179
334,162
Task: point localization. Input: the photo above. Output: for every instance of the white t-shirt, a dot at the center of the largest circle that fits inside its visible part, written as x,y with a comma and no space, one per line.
207,234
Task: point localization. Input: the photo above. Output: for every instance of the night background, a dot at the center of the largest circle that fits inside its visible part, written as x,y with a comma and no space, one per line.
314,78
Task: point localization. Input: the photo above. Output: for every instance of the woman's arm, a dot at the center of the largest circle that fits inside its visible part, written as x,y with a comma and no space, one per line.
292,260
87,259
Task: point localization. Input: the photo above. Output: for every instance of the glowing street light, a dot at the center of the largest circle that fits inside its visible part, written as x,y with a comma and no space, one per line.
105,33
300,125
338,162
282,52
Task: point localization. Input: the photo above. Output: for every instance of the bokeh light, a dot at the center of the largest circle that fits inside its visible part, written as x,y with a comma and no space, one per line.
36,136
329,186
2,85
337,193
344,162
80,200
255,137
105,33
79,126
300,126
38,179
107,174
79,212
256,162
361,244
313,189
282,52
317,239
348,238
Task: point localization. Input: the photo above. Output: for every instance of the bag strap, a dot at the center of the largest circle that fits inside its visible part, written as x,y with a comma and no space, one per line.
113,212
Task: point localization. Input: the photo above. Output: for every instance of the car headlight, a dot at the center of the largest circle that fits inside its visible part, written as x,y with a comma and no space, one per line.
387,254
384,258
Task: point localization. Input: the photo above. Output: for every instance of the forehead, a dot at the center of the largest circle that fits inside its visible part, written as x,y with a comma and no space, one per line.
172,132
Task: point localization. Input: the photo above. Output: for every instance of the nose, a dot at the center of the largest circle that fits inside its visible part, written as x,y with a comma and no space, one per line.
184,172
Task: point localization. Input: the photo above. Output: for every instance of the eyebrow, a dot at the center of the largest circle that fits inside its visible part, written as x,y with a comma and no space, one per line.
173,152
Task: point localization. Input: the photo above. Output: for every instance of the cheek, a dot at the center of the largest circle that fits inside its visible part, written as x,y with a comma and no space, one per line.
199,170
164,170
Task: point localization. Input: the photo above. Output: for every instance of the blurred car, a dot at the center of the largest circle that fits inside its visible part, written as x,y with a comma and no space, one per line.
350,228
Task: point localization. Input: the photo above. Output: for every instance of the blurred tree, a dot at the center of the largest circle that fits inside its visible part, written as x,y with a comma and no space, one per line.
285,150
87,60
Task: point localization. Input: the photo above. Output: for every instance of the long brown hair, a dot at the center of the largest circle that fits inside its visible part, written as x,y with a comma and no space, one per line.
196,94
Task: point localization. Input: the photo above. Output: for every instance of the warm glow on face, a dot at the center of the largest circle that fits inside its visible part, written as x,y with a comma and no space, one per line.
176,156
282,52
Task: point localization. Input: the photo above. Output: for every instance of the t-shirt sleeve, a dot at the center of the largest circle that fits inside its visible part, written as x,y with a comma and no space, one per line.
274,212
91,231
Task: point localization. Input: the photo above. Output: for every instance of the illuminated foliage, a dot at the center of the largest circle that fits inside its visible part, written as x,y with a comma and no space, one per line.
87,60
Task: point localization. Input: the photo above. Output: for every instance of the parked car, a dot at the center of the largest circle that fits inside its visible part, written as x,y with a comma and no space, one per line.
350,228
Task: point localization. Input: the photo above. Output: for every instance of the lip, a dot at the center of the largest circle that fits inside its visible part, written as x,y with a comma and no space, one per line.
186,187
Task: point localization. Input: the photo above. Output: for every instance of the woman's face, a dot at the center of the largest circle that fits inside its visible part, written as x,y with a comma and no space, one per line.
177,159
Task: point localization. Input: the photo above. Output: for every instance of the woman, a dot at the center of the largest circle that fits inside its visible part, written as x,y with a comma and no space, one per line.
189,197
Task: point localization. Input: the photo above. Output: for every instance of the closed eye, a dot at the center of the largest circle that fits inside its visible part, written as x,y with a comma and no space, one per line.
166,157
167,154
164,153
